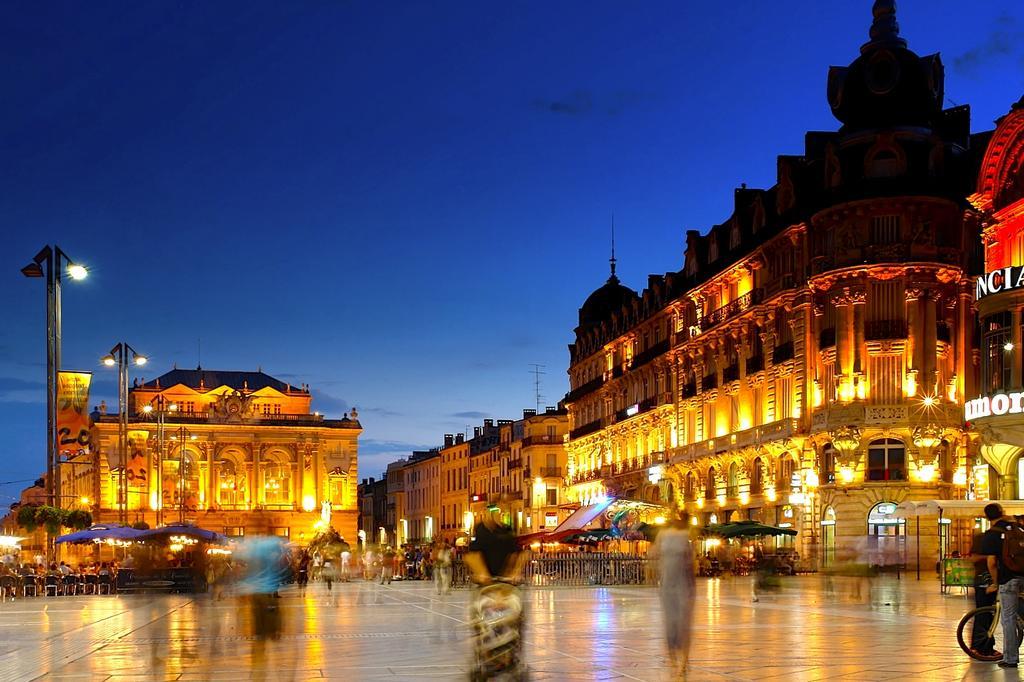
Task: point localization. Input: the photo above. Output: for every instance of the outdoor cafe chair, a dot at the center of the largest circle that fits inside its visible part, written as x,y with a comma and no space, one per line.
28,583
90,583
8,587
69,583
51,584
104,582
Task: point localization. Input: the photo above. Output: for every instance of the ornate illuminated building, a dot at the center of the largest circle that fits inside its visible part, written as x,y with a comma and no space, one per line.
808,364
995,409
234,452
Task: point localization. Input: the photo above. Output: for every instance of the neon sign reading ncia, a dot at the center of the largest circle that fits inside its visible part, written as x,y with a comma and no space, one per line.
998,404
999,280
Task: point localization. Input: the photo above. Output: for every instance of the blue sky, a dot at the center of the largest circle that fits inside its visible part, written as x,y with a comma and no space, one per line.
402,204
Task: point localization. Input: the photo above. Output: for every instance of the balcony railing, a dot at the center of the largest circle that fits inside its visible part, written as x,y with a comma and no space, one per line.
646,356
782,352
541,440
689,389
586,388
731,308
755,364
549,472
586,429
731,373
885,329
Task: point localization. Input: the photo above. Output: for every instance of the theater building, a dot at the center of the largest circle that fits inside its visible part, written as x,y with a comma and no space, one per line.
807,365
235,452
995,410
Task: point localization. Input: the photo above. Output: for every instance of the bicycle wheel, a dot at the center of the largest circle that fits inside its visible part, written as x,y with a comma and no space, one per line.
980,635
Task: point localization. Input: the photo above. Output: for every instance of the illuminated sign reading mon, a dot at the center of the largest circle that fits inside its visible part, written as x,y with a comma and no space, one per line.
998,404
997,281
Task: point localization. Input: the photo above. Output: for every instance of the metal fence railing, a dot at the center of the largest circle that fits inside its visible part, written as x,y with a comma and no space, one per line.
575,569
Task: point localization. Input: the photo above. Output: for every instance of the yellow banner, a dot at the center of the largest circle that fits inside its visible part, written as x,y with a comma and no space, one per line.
73,412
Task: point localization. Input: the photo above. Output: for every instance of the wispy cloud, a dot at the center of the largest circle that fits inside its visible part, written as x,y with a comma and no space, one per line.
1006,39
380,412
372,446
328,404
585,102
470,415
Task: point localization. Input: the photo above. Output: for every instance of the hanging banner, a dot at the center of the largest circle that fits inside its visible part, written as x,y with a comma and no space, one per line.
73,412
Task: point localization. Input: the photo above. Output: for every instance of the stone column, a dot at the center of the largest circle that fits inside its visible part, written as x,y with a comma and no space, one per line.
914,336
858,297
928,346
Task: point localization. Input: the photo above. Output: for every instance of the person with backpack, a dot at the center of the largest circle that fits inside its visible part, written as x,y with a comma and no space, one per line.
1003,549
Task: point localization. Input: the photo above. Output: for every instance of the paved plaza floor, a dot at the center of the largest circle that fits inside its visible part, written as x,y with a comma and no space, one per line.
813,629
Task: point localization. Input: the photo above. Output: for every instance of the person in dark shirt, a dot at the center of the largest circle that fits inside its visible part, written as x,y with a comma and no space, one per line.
493,552
1006,582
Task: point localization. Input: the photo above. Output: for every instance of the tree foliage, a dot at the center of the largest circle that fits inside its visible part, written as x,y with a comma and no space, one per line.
30,517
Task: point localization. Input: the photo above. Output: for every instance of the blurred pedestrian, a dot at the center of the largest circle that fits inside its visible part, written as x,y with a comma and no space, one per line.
443,567
678,586
388,567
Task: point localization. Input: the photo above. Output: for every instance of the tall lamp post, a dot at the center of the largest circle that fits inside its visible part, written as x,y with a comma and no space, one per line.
48,264
161,407
183,435
121,355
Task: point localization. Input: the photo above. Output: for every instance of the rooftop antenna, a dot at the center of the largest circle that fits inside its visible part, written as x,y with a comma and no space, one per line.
611,261
199,351
537,371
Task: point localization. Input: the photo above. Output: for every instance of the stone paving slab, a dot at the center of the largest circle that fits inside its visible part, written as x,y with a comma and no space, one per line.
813,629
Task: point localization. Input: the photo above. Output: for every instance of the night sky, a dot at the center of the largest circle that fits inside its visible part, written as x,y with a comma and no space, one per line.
401,204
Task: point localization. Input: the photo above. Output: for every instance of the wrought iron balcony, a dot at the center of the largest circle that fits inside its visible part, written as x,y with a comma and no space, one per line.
782,352
586,388
651,353
885,329
731,309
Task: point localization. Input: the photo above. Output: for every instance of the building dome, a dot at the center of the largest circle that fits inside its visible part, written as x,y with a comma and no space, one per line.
600,305
888,84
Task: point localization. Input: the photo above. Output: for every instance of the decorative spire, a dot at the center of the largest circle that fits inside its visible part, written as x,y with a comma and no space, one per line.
884,29
611,261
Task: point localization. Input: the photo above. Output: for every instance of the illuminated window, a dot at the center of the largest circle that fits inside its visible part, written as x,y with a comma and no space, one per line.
757,477
887,460
996,360
885,229
711,489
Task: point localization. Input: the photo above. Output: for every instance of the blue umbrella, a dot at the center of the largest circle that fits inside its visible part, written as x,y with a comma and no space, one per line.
184,529
100,532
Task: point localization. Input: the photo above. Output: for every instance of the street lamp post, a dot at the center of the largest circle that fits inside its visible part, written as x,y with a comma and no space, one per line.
183,435
47,264
161,407
121,355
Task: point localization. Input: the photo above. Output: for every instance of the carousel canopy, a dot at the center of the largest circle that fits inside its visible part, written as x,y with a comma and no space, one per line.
745,529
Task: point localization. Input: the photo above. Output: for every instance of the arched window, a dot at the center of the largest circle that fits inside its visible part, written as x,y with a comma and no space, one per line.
691,487
887,460
757,477
785,477
181,481
733,485
710,490
828,463
230,484
277,482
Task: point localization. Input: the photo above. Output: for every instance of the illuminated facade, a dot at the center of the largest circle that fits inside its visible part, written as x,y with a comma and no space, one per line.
808,364
235,452
422,497
995,409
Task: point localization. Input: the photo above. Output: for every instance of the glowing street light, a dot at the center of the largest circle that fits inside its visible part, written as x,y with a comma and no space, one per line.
47,264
